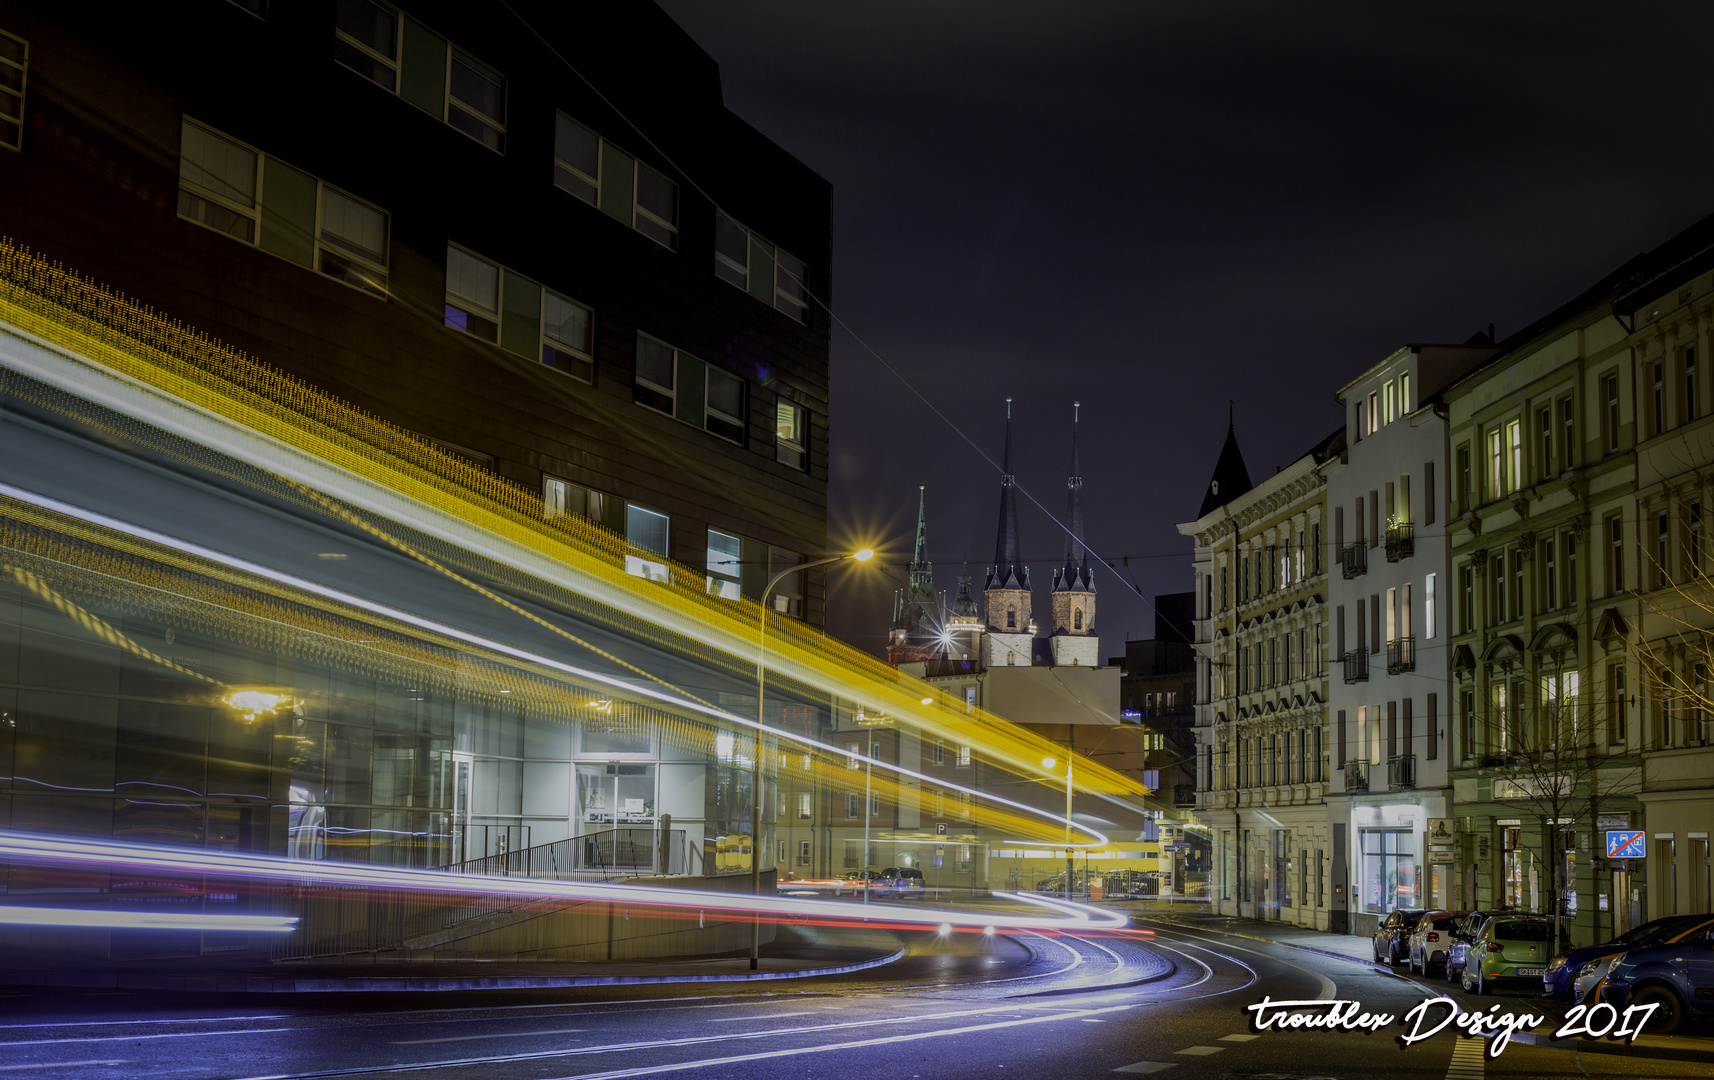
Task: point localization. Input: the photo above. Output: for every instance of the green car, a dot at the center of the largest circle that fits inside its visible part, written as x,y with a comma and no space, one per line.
1509,950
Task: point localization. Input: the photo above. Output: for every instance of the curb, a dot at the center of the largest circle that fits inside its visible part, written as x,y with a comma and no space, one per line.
322,986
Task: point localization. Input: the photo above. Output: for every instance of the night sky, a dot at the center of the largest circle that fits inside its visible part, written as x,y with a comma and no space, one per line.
1154,207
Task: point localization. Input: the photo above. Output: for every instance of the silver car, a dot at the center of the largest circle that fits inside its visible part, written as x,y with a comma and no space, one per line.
1431,940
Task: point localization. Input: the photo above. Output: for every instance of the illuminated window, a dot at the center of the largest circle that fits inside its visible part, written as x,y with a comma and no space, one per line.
1496,465
963,757
1387,403
852,760
1515,449
804,805
791,433
724,569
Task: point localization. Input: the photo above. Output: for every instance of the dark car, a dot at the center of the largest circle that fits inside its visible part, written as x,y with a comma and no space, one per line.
1392,938
1462,935
1556,983
900,881
1677,976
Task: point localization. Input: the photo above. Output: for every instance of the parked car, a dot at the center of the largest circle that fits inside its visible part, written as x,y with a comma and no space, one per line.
1677,976
1566,968
900,881
1392,938
1462,935
856,881
1430,939
1586,984
1510,949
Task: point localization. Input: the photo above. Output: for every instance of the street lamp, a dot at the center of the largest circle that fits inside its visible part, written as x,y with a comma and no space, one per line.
1048,764
863,555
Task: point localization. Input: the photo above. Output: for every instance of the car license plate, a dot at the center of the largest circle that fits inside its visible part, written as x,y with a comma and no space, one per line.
1530,971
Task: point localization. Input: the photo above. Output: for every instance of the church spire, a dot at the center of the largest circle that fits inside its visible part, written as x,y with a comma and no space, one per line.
1075,574
1231,479
1008,571
922,571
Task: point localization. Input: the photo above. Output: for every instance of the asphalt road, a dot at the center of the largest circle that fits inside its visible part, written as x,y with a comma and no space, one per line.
969,1006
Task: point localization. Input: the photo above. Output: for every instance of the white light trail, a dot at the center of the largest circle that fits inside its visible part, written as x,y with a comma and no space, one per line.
12,915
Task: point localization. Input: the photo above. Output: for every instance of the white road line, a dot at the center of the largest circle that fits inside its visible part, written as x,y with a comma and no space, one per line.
138,1038
705,1063
1468,1062
1146,1067
65,1064
492,1035
123,1023
1202,1051
1329,989
769,1016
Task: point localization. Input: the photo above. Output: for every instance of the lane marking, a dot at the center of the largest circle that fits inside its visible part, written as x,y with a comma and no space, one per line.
1238,1038
1467,1059
1146,1067
138,1038
65,1064
1202,1051
122,1023
1329,989
770,1016
493,1035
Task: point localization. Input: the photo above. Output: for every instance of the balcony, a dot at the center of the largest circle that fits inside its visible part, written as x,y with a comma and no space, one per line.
1354,559
1184,795
1401,655
1401,542
1356,666
1401,772
1356,776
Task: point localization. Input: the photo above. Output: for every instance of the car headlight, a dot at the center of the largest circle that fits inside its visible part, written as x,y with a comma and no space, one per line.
1558,962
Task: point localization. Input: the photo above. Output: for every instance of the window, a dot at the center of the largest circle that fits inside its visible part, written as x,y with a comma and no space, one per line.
723,414
568,331
1374,413
874,806
1544,421
1615,555
853,759
562,497
1689,383
1662,550
1467,600
1549,574
1616,719
964,757
1429,614
256,199
1497,605
787,597
366,40
1467,720
646,529
1496,465
404,57
804,806
724,565
969,699
937,753
791,433
853,804
1515,449
1387,403
576,159
1404,393
1463,480
476,101
759,268
657,375
14,72
657,207
1658,417
803,850
472,294
1570,568
1568,433
1610,394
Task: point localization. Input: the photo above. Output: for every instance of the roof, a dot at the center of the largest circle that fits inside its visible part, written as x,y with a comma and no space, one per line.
1231,479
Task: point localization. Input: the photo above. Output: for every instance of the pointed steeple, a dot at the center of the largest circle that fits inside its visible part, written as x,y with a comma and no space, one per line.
1075,574
1008,571
964,605
1231,479
922,571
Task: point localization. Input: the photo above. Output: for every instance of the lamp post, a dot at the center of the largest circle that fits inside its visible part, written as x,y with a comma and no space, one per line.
1048,763
863,555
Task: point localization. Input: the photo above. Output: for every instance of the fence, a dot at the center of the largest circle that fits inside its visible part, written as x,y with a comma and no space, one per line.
602,855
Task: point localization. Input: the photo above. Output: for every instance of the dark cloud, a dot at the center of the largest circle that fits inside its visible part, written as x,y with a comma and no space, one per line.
1156,206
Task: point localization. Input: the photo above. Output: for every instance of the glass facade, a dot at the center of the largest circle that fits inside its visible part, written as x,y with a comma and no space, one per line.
1389,869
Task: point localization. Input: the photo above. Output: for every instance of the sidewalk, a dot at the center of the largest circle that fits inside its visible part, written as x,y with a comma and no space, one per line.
820,951
1359,949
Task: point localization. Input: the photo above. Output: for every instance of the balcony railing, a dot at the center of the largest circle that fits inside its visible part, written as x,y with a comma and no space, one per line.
1401,772
1356,776
1401,655
1401,542
1184,795
1354,559
1356,666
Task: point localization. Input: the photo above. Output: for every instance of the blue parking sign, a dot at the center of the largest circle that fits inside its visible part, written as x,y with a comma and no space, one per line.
1626,844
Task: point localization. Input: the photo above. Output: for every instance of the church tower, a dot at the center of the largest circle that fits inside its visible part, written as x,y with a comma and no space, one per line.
1010,631
1074,640
964,626
914,634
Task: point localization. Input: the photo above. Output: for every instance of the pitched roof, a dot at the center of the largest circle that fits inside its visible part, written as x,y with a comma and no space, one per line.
1231,479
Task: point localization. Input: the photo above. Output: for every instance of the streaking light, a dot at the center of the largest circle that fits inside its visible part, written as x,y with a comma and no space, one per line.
149,858
252,705
144,920
945,929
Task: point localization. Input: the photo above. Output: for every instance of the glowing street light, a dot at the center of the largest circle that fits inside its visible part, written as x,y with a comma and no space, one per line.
860,555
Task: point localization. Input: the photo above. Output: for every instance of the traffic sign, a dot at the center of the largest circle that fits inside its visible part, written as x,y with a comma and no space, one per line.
940,828
1627,844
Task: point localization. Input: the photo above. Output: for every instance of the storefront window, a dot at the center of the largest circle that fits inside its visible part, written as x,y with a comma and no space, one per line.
1389,869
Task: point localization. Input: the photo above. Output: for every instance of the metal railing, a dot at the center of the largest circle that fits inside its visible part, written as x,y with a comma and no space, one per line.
1401,542
1401,772
1401,655
604,854
1356,665
1354,559
1356,776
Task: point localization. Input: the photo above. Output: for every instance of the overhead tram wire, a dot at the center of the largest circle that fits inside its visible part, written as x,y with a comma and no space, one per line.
831,314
